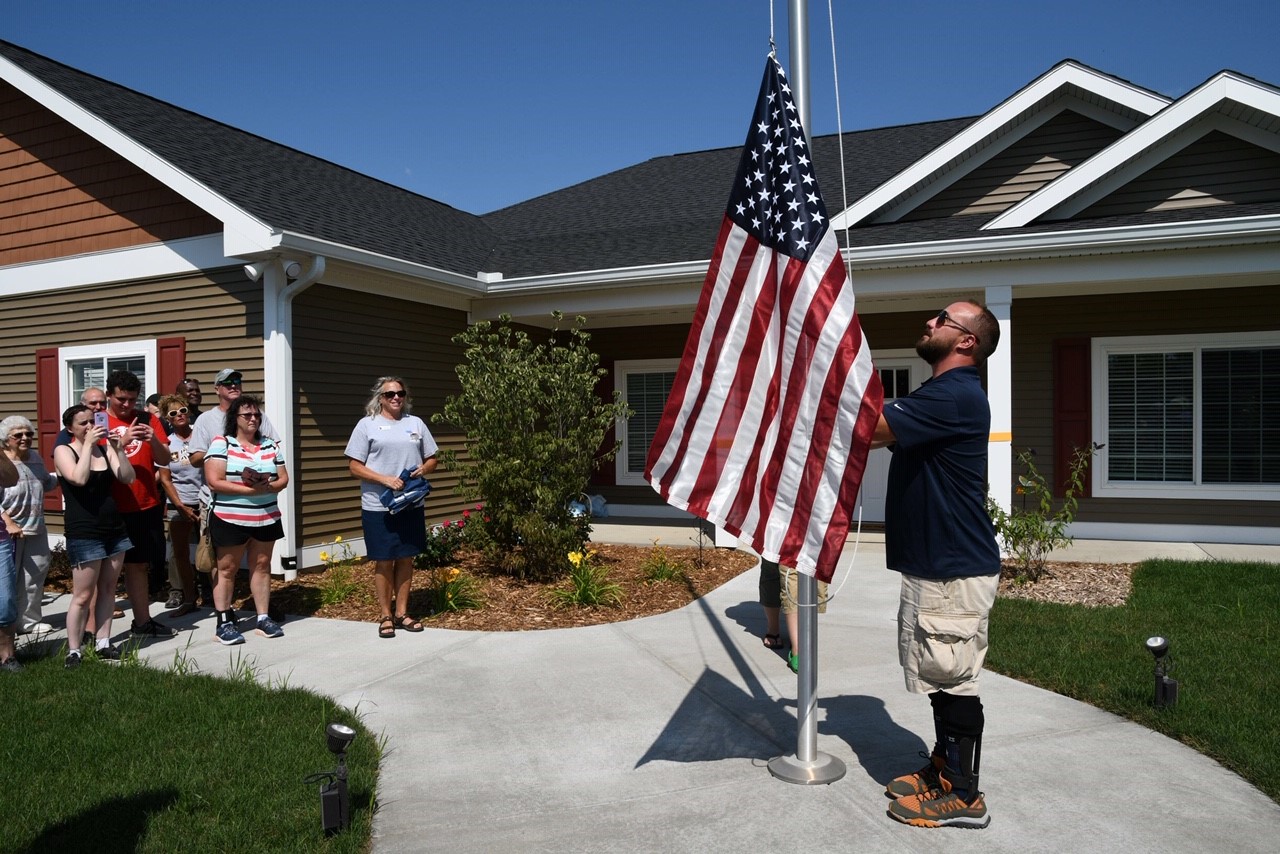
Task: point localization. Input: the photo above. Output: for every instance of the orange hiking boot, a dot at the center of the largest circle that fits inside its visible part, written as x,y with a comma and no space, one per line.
941,807
919,782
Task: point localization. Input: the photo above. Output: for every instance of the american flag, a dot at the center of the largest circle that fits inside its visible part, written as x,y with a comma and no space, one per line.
771,413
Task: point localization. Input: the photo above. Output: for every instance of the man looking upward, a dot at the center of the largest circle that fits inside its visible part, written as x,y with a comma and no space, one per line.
939,536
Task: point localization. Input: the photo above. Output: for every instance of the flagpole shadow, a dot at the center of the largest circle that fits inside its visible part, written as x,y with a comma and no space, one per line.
758,726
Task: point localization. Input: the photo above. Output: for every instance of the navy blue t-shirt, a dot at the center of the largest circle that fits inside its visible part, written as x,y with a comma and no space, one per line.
936,522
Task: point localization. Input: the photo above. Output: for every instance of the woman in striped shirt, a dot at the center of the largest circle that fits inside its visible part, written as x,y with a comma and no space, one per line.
244,470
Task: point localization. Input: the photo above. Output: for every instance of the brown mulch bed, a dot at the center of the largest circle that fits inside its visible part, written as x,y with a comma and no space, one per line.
1090,584
513,605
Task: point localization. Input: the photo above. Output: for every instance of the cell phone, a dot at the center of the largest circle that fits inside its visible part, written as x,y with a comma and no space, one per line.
100,419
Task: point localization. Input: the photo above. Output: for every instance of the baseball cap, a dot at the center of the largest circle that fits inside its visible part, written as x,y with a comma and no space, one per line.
227,375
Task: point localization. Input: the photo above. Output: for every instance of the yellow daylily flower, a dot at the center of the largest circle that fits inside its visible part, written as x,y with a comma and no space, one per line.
575,558
324,556
338,539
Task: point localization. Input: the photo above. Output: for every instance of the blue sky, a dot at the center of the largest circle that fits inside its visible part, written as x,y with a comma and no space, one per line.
483,103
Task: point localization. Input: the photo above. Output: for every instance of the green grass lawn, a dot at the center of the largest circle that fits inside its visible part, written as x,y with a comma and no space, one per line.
133,758
1223,623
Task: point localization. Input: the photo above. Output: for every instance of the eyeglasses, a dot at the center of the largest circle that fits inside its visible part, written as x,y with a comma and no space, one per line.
391,394
230,383
250,416
943,319
22,434
180,411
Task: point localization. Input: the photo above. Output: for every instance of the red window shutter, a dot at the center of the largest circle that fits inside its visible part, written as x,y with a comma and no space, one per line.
1072,423
171,353
48,416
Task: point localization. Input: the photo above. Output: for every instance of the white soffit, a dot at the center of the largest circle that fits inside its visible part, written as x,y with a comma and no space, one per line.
1184,122
1077,84
243,232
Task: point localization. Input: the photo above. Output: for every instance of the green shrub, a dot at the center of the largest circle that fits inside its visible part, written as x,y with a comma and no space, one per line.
1030,533
588,584
451,589
443,543
659,566
340,580
534,429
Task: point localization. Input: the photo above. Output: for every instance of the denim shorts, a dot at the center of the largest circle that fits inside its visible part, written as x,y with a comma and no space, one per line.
390,536
8,584
87,551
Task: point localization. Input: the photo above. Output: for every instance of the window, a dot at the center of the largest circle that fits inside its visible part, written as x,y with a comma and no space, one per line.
644,385
87,366
1187,416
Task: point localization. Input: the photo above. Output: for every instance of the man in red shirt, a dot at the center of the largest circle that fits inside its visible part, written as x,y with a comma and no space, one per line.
143,440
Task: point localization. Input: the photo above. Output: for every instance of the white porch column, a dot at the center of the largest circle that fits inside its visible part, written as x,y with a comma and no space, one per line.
282,281
999,300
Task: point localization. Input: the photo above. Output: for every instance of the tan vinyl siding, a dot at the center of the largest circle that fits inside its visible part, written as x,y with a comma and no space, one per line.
1218,169
62,193
1037,322
220,316
343,341
1024,167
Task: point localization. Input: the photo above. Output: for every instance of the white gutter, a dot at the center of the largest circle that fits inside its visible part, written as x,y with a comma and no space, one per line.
282,281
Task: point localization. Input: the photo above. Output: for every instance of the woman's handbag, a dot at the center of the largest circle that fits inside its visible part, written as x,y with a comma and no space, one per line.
206,557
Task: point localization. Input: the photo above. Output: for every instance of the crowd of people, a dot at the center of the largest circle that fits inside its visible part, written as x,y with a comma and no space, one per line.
142,480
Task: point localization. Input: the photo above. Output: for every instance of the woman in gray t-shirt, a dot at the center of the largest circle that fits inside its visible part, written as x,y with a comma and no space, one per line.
385,444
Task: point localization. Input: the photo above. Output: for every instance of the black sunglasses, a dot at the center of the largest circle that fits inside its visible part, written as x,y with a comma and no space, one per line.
943,319
390,394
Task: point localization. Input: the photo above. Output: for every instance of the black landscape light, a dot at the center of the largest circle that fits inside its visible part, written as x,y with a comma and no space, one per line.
1166,688
335,806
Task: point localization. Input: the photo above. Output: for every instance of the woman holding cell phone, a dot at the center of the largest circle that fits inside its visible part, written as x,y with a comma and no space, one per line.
244,470
95,532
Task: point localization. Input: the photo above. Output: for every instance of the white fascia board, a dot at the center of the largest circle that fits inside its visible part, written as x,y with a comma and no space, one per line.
1019,246
291,244
1119,161
620,277
248,228
157,260
1005,114
650,299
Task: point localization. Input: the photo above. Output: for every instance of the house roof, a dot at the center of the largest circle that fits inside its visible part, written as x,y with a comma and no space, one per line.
670,208
664,211
286,189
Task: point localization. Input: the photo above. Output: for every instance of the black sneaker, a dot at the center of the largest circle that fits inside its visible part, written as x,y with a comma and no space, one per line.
151,629
110,652
73,660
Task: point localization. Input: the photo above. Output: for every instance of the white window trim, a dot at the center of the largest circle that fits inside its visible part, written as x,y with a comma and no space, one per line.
145,347
1102,348
621,369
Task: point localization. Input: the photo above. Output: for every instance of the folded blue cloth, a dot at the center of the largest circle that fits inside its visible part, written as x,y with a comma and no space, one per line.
412,494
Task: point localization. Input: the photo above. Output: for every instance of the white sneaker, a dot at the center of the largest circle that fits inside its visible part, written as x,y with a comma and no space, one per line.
36,629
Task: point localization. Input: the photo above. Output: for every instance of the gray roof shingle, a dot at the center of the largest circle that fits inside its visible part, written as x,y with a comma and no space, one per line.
285,188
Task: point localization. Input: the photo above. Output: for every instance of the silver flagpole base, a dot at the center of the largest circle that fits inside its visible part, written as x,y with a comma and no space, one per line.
823,769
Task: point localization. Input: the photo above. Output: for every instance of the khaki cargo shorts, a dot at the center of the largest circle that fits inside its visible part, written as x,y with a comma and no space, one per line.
942,632
791,598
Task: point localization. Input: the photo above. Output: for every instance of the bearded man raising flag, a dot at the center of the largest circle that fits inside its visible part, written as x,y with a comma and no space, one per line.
771,414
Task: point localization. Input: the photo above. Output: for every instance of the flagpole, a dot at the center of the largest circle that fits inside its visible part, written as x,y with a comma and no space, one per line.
808,766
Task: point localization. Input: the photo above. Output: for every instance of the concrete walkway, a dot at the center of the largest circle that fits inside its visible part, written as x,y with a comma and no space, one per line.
653,734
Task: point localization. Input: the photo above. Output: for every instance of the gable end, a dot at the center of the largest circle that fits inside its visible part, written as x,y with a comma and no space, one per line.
63,193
